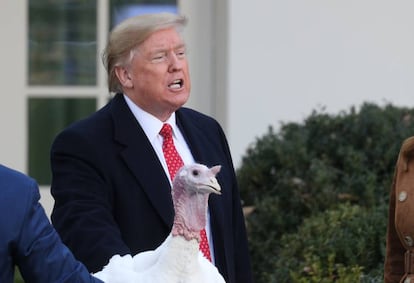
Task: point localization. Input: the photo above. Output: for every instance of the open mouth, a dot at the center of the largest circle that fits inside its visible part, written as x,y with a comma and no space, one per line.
215,190
176,84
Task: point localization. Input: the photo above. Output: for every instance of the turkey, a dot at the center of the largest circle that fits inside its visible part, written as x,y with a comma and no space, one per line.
177,259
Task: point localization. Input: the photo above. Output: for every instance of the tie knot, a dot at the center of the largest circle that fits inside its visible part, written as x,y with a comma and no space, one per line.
166,131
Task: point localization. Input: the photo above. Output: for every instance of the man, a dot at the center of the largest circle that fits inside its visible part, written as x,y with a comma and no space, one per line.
27,238
110,177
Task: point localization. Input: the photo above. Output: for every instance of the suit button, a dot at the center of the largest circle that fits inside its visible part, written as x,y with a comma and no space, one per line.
402,196
408,240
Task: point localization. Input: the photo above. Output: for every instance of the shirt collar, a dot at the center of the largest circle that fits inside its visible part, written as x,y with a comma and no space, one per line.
149,123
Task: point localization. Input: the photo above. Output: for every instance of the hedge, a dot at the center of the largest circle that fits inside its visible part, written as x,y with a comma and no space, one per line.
329,164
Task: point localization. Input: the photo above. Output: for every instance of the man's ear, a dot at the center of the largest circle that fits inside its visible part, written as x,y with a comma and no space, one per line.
124,77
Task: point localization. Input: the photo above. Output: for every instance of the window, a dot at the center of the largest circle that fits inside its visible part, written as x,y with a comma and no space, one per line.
47,117
62,42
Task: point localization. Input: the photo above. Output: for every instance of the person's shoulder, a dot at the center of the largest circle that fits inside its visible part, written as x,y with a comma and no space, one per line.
195,115
90,121
15,184
88,126
192,119
8,174
407,146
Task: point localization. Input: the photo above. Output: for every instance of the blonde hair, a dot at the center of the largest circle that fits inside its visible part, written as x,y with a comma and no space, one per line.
128,35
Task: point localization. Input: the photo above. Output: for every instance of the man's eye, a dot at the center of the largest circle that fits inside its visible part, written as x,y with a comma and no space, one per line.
159,58
181,54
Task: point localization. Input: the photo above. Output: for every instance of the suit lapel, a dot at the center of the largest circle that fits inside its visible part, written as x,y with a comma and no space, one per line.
202,150
142,160
194,137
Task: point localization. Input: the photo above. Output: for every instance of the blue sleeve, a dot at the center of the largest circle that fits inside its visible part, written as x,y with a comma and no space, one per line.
41,255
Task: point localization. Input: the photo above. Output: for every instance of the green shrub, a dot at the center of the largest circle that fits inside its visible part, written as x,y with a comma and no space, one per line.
318,271
348,238
310,167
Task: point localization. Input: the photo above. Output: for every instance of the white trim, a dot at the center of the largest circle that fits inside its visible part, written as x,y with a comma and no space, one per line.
61,91
102,36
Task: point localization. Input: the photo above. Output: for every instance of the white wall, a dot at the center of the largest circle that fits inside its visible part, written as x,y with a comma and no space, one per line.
287,58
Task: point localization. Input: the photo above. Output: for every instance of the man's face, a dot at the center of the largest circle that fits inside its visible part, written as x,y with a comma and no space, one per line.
159,75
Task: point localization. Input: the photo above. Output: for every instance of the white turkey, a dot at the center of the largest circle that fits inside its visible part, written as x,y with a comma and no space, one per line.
177,259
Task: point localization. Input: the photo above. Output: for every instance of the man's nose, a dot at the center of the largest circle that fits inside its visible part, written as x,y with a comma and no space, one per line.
175,63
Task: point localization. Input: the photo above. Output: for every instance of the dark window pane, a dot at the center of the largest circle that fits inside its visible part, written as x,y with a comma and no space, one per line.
122,9
62,42
47,117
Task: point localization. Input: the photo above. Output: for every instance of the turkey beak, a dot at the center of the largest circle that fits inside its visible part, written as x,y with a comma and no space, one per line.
214,186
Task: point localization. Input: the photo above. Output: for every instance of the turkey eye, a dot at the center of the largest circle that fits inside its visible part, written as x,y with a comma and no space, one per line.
195,172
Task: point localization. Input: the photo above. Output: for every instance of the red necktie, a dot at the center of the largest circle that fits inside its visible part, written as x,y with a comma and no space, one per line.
174,162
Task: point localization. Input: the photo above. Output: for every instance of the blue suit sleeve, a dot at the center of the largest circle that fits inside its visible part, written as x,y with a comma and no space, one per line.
41,255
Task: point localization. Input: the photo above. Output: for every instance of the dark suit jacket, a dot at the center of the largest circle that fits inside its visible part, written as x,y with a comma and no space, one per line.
28,240
113,197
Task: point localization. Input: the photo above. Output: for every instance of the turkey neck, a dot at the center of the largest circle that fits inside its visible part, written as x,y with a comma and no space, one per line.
190,214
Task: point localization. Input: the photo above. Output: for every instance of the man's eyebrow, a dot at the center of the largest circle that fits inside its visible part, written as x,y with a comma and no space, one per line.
182,45
163,49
